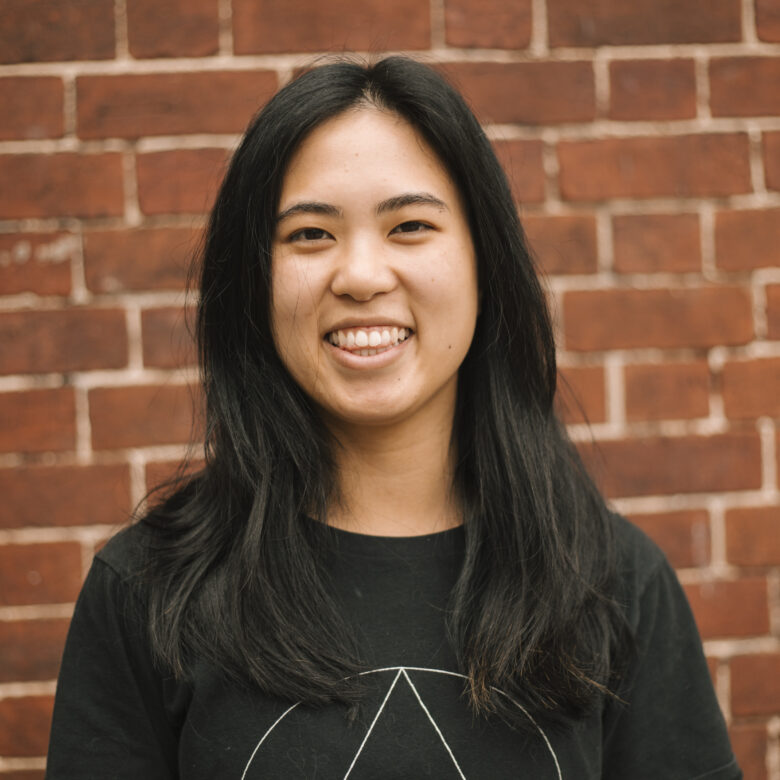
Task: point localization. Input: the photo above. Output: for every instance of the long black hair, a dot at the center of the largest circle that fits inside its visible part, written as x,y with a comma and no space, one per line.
237,579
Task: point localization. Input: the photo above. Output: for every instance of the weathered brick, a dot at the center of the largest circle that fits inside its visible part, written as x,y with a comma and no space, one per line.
50,30
667,391
563,244
771,144
489,24
685,166
755,684
140,259
747,239
38,420
64,495
167,339
773,310
668,465
656,243
32,107
61,185
527,92
730,609
142,416
181,181
684,535
734,90
261,26
605,22
751,388
31,649
753,536
37,262
172,28
652,89
768,20
581,395
692,317
749,742
522,162
24,725
62,340
129,106
48,573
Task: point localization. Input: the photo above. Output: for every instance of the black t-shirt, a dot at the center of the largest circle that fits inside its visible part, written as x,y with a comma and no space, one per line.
116,716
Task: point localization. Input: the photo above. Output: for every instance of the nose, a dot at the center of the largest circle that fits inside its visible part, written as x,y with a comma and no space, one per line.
363,270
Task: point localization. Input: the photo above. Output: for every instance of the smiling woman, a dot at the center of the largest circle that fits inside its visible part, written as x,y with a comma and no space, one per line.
390,515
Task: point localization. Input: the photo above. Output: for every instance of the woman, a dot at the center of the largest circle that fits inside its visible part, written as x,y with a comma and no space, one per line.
393,563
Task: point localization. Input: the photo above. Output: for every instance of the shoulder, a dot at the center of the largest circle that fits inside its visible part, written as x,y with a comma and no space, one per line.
126,552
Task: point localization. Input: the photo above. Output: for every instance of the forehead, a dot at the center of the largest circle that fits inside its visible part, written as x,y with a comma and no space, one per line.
364,148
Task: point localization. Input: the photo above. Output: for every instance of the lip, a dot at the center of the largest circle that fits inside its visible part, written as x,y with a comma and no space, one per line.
354,361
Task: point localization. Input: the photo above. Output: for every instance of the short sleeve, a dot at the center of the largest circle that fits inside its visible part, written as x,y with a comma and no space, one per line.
669,724
109,714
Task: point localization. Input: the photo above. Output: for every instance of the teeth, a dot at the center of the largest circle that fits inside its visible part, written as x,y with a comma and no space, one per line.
368,342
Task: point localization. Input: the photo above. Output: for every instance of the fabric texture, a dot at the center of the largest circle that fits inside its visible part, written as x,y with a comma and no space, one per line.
116,716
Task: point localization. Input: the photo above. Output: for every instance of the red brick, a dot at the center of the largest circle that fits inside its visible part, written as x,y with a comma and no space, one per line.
773,310
65,184
656,243
172,28
261,26
31,649
522,161
38,420
693,317
32,107
684,536
51,30
160,472
771,142
24,774
488,24
730,609
140,259
768,20
534,93
755,684
605,22
749,742
652,89
668,465
667,391
734,90
687,166
167,340
753,536
24,726
751,388
141,416
563,244
129,106
64,495
182,181
747,239
40,573
581,394
62,340
37,262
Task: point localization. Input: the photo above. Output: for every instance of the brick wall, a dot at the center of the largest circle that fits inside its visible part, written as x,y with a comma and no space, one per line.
643,143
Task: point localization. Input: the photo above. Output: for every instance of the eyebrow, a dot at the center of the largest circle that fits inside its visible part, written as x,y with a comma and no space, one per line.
390,204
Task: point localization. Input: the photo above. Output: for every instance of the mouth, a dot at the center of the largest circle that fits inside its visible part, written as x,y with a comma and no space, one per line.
368,341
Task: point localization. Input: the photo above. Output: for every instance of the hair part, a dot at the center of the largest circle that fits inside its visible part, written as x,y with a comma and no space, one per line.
236,578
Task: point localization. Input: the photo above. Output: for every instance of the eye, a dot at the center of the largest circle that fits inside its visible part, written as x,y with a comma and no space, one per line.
309,234
412,226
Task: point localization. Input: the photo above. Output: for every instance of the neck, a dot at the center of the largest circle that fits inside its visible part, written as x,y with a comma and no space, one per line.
395,480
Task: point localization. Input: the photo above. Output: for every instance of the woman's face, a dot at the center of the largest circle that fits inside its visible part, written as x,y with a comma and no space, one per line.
374,281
